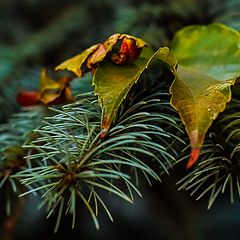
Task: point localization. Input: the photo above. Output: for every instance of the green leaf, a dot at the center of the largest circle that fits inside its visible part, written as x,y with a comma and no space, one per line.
113,82
209,63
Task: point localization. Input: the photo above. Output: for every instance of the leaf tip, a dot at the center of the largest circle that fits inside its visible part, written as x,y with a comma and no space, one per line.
103,133
195,152
105,126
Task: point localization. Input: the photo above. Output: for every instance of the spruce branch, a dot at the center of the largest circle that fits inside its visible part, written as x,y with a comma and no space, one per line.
72,162
13,135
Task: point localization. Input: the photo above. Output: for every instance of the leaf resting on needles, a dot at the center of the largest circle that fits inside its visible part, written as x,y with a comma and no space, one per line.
54,91
51,92
209,63
75,63
112,82
89,59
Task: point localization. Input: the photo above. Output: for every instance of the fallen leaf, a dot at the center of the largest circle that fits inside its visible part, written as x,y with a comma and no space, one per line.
54,91
51,92
89,59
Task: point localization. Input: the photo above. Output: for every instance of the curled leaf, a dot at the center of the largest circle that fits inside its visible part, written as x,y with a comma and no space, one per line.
51,92
127,53
100,53
75,63
209,63
54,92
138,41
89,59
130,49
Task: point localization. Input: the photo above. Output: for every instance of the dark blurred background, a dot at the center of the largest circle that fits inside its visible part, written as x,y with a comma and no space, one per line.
43,33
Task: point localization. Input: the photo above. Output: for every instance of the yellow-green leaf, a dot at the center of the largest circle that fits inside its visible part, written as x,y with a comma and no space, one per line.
112,82
75,63
209,63
52,91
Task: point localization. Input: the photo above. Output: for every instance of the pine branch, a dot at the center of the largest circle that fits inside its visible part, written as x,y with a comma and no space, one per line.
74,163
12,136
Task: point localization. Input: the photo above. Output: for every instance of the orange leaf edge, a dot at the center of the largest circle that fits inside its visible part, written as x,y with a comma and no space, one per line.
105,126
195,152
